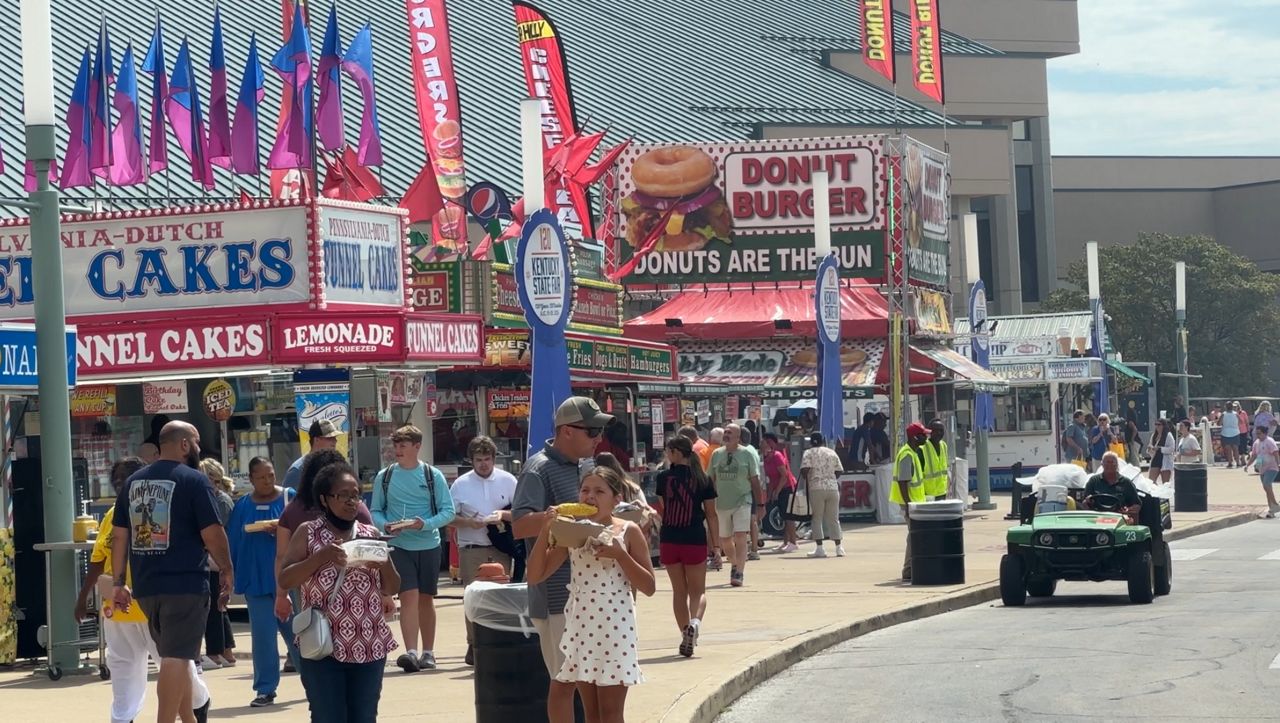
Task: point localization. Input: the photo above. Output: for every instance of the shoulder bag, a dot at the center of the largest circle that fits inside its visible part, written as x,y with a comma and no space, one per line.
798,509
315,638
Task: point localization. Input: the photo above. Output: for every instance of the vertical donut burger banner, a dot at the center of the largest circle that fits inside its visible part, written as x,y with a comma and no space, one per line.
440,116
743,212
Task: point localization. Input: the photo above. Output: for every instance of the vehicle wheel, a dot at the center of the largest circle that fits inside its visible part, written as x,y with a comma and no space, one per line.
1013,581
1164,572
1141,574
1042,587
55,672
104,672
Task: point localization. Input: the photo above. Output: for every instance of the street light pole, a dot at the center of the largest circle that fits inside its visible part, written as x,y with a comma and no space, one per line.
1180,315
51,339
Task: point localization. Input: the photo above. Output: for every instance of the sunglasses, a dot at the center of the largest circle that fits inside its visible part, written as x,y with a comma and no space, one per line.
592,432
348,498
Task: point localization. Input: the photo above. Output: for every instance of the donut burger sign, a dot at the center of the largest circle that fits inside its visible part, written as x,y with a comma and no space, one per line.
744,211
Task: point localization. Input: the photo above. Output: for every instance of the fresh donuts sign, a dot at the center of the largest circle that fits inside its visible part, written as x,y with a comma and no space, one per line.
744,211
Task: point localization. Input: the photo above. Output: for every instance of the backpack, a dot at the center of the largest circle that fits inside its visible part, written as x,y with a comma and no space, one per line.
427,472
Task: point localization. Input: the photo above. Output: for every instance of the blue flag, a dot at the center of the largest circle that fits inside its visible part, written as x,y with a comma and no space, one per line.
153,63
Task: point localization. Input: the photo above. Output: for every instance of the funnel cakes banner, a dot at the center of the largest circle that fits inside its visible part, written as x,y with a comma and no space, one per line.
744,211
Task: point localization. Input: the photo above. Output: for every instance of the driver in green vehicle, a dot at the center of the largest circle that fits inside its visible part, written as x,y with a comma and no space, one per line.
1110,482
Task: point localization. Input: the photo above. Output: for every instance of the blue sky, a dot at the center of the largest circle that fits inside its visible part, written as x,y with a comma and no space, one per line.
1176,77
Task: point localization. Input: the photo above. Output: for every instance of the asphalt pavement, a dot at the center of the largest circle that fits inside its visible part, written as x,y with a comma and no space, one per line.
1208,651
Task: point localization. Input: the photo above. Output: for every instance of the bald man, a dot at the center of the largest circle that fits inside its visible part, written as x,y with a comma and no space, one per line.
164,522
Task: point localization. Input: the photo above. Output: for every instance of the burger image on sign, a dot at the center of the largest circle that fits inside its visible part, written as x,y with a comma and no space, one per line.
677,184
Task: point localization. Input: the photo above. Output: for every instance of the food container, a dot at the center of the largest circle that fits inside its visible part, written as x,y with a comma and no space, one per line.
363,551
574,533
399,525
629,511
83,528
261,526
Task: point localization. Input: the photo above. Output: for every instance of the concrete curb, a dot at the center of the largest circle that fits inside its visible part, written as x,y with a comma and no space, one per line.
765,665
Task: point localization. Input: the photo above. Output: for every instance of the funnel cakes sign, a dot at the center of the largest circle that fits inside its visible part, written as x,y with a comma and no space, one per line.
744,211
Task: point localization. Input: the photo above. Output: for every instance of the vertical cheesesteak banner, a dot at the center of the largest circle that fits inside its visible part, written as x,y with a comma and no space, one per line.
744,211
546,76
926,179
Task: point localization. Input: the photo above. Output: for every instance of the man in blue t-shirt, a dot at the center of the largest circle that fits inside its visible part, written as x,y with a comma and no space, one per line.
164,522
413,508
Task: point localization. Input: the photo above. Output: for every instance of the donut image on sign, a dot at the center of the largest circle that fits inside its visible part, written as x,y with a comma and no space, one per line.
682,178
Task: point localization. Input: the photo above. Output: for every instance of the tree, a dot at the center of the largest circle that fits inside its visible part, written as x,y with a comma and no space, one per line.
1233,327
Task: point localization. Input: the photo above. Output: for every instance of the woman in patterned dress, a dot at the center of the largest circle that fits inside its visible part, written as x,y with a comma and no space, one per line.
599,642
345,686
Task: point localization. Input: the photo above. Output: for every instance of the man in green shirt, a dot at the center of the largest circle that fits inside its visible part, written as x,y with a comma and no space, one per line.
736,475
1110,482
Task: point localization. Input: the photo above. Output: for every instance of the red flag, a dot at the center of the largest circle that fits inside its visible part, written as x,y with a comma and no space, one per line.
877,37
581,152
244,197
589,175
346,179
926,49
547,79
658,231
423,199
439,113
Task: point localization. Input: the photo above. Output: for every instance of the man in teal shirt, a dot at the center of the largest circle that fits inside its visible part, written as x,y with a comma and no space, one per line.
736,475
413,507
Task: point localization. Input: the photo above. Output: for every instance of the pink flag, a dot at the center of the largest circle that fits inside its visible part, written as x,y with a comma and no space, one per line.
244,129
29,175
75,162
219,126
127,166
328,71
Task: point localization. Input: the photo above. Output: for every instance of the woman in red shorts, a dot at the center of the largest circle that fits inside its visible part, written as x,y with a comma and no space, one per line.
686,500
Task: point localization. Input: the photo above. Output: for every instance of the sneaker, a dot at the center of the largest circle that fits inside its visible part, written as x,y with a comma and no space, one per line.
686,641
408,662
818,552
735,578
789,547
227,662
754,556
1267,515
207,663
427,661
288,666
714,564
839,550
470,657
202,713
263,700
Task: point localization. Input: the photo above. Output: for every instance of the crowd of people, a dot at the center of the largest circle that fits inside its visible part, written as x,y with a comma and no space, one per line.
176,545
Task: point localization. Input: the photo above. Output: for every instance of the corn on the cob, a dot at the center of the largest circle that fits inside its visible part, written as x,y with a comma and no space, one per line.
576,509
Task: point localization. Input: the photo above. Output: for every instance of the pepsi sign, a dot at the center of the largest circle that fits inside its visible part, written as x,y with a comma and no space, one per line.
486,202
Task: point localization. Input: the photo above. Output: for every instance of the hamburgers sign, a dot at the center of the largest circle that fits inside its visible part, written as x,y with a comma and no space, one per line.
744,212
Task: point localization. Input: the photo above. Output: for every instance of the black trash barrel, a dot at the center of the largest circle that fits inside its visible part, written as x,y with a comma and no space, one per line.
1190,488
937,543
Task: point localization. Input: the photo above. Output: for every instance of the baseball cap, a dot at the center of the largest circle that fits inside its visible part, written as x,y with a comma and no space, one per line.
916,429
323,428
582,411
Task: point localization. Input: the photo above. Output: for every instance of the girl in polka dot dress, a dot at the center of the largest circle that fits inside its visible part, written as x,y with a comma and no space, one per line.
599,642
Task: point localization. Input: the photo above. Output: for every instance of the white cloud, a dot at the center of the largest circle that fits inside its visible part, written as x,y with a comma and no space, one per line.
1188,77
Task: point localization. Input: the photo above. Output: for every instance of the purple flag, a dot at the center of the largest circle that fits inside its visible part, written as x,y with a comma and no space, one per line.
154,64
329,70
29,175
183,109
127,168
244,131
293,63
219,127
75,162
100,105
358,64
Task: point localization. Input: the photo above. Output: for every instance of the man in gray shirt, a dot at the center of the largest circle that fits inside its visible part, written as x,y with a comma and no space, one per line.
1075,441
551,478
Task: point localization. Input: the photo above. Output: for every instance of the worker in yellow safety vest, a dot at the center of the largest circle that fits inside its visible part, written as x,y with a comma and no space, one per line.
936,459
908,480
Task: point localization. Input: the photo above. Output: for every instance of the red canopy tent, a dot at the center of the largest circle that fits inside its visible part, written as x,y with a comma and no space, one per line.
747,314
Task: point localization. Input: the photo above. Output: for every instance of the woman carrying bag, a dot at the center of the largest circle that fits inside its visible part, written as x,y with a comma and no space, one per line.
342,641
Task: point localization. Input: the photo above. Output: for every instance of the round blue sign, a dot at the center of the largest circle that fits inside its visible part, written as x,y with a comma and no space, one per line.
544,278
828,300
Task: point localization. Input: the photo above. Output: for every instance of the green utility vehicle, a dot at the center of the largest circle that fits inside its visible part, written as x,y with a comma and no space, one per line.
1093,545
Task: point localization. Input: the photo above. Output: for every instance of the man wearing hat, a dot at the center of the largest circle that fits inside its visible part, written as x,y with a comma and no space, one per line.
550,478
324,435
908,476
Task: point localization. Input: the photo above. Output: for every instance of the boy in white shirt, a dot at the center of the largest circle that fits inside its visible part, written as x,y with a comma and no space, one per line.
482,497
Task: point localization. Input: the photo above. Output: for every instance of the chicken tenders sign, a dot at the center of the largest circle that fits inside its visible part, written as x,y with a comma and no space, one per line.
744,211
